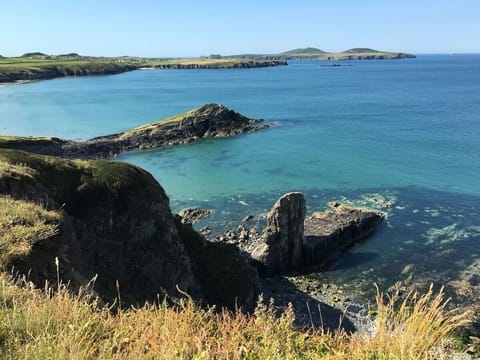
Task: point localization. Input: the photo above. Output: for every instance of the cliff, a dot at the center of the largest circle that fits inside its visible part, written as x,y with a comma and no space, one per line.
39,66
111,221
208,121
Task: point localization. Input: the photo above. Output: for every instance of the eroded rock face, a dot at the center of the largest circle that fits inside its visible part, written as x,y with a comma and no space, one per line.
117,224
281,248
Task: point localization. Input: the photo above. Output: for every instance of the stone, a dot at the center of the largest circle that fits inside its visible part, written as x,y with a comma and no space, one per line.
247,218
192,215
282,239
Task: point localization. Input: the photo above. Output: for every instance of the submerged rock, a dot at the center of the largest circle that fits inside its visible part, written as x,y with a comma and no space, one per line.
116,224
208,121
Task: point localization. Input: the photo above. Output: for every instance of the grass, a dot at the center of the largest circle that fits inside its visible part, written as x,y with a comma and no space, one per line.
22,224
42,324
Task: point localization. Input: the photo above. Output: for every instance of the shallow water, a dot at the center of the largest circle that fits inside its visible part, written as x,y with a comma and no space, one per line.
406,131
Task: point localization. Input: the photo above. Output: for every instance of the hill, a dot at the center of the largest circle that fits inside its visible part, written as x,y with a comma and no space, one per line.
360,50
303,51
312,53
34,55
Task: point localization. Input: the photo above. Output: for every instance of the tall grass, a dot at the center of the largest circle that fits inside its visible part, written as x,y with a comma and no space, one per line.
40,324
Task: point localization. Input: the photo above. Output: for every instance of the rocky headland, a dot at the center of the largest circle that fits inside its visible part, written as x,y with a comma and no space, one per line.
110,221
208,121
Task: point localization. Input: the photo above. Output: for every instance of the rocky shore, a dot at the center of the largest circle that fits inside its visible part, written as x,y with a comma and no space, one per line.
292,245
208,121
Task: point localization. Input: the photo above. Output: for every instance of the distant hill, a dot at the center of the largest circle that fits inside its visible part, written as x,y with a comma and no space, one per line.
303,51
69,56
311,53
360,51
34,55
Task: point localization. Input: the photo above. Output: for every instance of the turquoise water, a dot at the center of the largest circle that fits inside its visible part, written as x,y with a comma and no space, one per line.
407,131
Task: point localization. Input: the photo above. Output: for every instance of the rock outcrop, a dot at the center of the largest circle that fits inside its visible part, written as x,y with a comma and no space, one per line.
192,215
281,248
329,233
116,224
291,242
208,121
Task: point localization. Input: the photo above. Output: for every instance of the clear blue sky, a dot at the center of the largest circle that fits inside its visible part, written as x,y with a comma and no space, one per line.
194,28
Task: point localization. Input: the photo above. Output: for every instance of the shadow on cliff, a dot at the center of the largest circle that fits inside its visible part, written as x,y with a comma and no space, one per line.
309,312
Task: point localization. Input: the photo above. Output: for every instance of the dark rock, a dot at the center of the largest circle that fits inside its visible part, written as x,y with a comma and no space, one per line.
205,231
247,218
328,233
116,224
192,215
281,248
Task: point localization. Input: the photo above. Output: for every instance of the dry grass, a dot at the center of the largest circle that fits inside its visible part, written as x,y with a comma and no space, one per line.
37,324
22,224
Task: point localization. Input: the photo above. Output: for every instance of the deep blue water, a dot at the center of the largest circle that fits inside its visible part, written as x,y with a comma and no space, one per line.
403,130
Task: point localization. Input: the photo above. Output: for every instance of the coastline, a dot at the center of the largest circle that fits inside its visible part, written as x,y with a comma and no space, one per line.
14,70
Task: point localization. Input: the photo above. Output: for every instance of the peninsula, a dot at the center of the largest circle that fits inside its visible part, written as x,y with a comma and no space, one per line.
208,121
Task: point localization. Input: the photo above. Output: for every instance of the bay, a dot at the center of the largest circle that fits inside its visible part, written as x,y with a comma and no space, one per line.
367,132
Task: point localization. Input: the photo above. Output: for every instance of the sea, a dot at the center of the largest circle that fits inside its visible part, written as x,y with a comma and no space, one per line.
401,136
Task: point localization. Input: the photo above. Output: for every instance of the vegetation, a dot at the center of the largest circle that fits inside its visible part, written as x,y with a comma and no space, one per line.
22,225
361,50
54,324
304,51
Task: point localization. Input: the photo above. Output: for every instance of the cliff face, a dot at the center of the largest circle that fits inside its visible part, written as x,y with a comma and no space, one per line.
115,222
55,71
211,120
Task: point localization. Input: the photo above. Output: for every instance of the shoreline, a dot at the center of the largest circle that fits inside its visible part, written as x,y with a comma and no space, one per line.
16,82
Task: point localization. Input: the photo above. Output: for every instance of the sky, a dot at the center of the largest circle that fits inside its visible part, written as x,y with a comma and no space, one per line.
189,28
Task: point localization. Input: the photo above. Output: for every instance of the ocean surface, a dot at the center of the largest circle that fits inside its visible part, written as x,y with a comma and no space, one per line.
400,132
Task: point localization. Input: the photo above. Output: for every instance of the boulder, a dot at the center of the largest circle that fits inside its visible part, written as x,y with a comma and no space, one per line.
116,225
282,239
